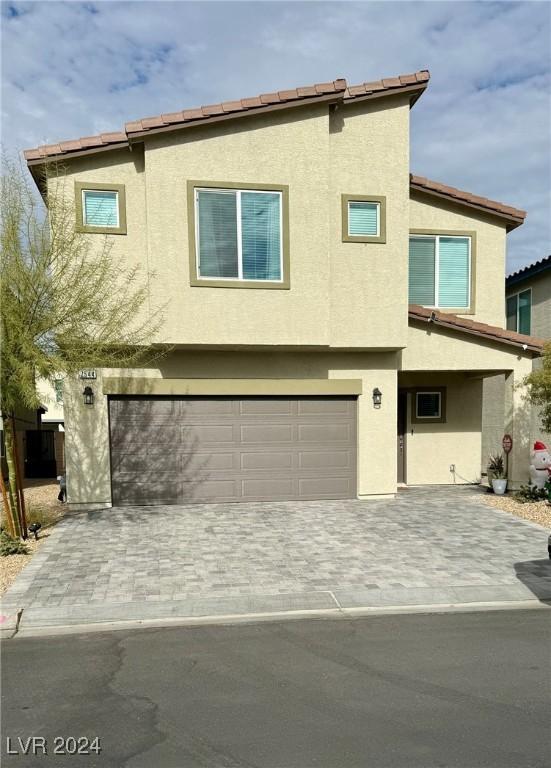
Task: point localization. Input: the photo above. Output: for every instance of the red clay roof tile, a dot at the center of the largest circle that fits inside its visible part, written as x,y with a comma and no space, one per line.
516,215
159,122
492,332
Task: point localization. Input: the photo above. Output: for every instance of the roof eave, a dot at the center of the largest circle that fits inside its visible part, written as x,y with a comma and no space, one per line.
415,91
512,222
331,98
528,273
441,322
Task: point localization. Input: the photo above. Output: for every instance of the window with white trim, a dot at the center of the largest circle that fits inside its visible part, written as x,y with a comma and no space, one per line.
519,312
440,271
239,234
364,218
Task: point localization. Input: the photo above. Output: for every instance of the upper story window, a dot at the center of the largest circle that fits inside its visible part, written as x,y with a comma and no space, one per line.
240,236
58,385
101,208
519,312
363,219
440,268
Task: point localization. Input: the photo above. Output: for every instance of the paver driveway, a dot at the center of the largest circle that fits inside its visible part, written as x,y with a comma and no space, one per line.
425,546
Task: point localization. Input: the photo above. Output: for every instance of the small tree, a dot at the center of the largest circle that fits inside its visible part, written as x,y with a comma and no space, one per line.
65,303
539,388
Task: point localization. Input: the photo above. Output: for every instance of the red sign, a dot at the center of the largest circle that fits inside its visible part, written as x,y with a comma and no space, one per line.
507,443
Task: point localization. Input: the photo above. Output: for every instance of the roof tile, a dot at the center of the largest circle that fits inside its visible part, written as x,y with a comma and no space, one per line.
392,82
252,102
232,106
288,95
493,332
424,184
212,109
154,122
193,114
172,117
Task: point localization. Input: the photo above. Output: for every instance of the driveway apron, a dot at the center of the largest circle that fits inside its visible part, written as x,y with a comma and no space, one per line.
425,547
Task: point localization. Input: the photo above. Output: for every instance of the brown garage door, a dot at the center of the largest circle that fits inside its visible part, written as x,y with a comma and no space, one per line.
174,450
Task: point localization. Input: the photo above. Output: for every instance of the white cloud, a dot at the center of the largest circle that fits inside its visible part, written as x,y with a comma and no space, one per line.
73,69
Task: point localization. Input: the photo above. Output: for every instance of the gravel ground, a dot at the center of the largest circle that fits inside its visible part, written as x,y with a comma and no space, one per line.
42,504
537,512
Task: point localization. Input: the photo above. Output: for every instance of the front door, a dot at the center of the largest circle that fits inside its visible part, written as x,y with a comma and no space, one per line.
401,434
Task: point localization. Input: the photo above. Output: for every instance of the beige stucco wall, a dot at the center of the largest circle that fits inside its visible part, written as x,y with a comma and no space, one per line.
489,267
434,348
434,351
87,436
339,291
369,155
432,448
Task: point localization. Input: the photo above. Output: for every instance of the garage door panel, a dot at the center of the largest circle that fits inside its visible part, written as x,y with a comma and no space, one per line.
267,433
325,406
324,433
267,459
268,488
330,487
323,459
268,407
169,451
210,433
209,489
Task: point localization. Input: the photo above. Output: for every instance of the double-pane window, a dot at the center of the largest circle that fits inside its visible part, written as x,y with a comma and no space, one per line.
519,312
239,234
440,271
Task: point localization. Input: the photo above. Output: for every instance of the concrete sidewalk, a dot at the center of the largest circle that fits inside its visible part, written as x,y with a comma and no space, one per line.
428,549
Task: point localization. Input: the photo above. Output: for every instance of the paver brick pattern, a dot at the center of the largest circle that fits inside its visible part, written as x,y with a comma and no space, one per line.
422,538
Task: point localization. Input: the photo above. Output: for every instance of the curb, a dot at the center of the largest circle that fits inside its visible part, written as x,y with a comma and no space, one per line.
275,616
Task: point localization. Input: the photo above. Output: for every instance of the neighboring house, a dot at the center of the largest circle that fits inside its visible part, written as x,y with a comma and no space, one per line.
288,238
40,435
528,309
53,445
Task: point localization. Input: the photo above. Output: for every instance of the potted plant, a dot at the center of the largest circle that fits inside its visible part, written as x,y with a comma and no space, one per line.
496,470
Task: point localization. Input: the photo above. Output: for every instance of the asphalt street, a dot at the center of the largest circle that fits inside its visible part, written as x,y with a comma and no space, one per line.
412,691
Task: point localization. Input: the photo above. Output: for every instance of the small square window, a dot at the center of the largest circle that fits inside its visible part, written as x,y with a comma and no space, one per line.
429,405
363,219
101,208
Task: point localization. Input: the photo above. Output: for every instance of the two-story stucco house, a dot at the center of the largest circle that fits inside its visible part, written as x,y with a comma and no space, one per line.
332,317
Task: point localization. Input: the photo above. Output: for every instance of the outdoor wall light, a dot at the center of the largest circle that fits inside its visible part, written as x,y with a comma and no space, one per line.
377,397
34,528
88,396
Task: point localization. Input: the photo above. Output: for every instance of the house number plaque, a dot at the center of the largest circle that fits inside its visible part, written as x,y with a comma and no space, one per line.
87,374
507,443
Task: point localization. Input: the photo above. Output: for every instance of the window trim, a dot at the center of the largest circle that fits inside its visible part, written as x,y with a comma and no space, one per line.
470,310
84,186
441,419
381,200
230,282
517,295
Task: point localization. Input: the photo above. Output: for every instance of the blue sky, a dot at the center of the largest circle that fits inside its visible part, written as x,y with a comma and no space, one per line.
73,69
